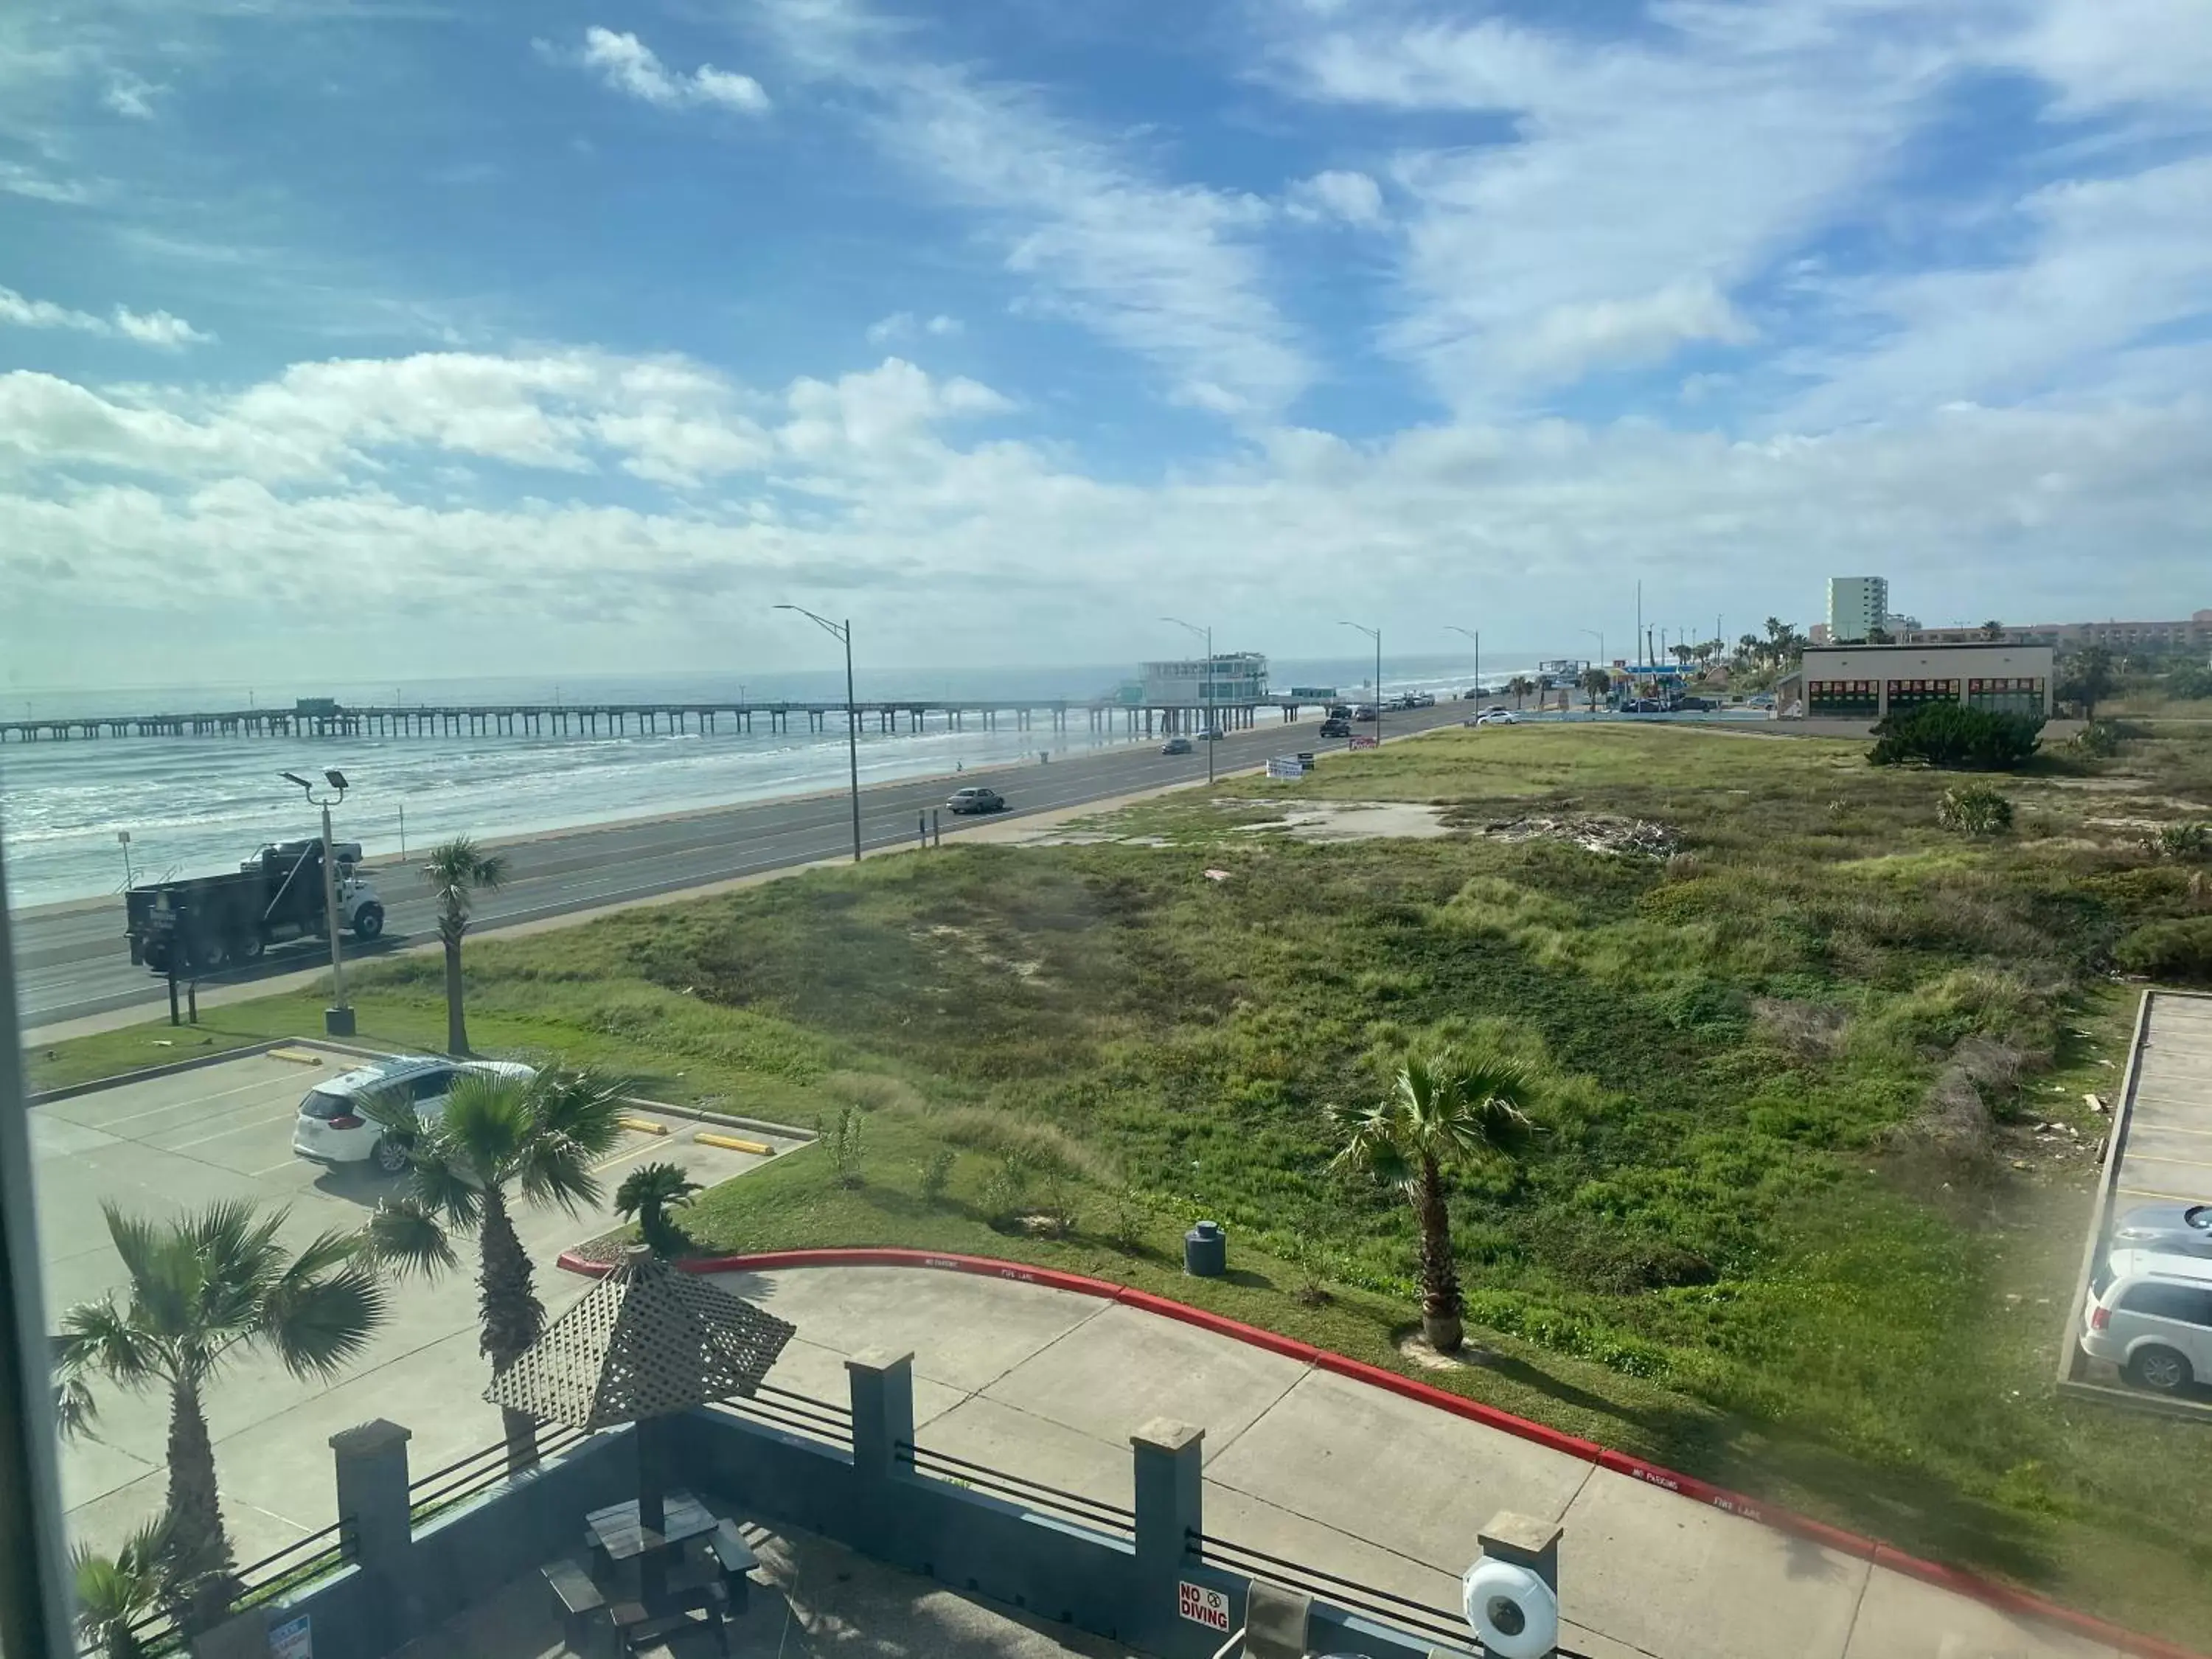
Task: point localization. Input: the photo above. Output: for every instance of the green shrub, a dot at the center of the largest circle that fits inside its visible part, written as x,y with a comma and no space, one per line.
2190,684
2098,740
937,1174
1974,809
2173,951
841,1138
2191,841
1959,738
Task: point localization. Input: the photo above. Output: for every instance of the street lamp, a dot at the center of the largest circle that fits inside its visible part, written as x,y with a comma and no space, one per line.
1376,635
1474,634
1205,633
337,1018
843,633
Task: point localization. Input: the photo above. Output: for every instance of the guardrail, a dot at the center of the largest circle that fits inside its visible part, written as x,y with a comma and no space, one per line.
1020,1489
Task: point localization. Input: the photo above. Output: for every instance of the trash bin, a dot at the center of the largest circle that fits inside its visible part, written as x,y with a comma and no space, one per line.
1205,1251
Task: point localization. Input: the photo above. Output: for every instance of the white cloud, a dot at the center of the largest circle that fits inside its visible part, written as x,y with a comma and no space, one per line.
130,97
1163,270
1638,181
628,64
1353,197
904,325
155,328
17,179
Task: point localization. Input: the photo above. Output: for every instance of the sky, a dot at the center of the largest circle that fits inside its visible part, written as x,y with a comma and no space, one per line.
385,338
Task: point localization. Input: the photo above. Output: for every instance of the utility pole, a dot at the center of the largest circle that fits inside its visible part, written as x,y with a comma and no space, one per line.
843,632
1474,634
1375,634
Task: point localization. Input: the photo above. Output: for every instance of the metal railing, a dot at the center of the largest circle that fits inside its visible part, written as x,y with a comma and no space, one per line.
479,1471
1090,1511
793,1413
299,1562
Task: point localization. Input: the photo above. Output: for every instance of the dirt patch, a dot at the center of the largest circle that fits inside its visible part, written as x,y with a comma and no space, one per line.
1631,837
1416,1351
1354,820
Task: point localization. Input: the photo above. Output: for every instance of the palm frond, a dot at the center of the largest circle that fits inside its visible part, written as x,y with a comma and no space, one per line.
317,1323
103,1337
587,1106
391,1107
554,1170
445,1187
404,1235
486,1120
76,1410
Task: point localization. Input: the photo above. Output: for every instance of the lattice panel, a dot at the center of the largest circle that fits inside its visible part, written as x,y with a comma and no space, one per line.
646,1341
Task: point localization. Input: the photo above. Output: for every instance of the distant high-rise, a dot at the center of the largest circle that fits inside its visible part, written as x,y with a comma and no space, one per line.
1858,607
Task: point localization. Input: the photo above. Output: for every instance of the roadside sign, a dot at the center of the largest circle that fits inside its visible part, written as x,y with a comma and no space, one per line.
293,1639
1203,1606
1287,766
1363,740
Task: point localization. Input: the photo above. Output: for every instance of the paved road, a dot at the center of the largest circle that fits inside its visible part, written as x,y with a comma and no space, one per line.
72,962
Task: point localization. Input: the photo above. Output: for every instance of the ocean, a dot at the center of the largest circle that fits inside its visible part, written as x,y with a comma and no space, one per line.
191,805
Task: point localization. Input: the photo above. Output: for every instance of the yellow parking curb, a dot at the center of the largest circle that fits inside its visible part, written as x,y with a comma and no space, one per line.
758,1148
297,1056
644,1125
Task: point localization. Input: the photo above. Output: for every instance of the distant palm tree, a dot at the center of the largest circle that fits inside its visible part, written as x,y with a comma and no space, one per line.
538,1136
1522,686
457,870
1993,629
1597,682
1445,1110
202,1287
115,1593
649,1192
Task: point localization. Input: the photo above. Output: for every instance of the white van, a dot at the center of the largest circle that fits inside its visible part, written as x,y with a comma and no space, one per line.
2151,1314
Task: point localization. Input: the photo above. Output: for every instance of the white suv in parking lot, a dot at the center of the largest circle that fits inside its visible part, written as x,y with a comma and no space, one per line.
332,1128
2151,1314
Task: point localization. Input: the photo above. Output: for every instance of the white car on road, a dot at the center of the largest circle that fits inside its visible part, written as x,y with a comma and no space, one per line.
333,1128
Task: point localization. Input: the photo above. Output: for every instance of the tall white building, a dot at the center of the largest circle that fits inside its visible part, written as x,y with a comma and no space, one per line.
1859,606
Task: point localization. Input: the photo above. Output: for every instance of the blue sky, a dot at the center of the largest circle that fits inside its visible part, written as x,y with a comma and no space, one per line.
371,338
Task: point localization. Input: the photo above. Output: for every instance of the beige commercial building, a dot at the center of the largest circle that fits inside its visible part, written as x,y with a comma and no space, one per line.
1867,682
2194,632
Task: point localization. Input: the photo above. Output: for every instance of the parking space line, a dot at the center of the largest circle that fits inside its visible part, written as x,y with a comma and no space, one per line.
186,1105
2151,1157
2148,1127
2154,1192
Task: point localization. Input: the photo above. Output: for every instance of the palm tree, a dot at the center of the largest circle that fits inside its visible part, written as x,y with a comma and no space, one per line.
1993,629
1521,687
649,1192
498,1134
1597,682
1445,1110
114,1594
457,870
202,1287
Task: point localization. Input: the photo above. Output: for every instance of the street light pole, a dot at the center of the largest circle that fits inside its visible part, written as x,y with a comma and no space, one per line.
1205,633
843,632
1474,634
337,1018
1376,635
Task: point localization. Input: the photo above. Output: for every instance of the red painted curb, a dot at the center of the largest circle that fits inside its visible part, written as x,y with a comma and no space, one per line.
1458,1406
2003,1597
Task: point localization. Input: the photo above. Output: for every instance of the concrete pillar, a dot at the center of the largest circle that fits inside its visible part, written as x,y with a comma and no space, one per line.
1524,1541
882,1387
371,1460
1170,1508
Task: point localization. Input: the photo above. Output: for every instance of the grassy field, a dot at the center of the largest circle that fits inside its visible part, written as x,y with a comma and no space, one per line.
1791,1225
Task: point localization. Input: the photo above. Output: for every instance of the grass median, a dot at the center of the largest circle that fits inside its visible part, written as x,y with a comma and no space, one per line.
1795,1223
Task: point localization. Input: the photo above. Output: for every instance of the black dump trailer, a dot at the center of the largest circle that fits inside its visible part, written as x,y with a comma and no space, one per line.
205,923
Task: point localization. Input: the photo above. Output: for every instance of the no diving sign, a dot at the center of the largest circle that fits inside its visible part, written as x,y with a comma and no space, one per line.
1203,1606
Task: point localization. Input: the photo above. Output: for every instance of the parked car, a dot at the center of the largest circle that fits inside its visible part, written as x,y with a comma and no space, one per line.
1494,717
2174,1229
1178,746
333,1128
1335,726
976,799
2150,1314
1696,705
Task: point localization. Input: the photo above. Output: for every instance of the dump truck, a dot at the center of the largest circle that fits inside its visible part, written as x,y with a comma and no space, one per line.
203,923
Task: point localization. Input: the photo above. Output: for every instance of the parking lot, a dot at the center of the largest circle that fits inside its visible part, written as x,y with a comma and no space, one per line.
2161,1153
225,1132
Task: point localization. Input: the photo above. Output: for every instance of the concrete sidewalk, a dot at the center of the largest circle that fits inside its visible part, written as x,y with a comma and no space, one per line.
1343,1476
